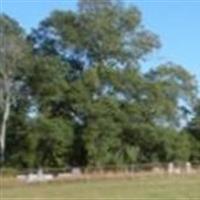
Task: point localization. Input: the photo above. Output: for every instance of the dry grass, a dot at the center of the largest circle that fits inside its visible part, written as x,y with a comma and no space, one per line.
140,187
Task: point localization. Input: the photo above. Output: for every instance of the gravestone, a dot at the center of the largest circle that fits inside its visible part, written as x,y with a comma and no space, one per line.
76,171
188,167
170,168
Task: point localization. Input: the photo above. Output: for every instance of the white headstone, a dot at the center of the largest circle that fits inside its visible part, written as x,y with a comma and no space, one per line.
170,168
76,171
188,167
31,178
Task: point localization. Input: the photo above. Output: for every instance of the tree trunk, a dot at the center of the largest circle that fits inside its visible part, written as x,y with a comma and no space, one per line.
3,127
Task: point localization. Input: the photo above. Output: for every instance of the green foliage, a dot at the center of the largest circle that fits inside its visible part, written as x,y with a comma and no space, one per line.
177,91
46,77
54,138
194,131
85,101
13,55
175,147
113,35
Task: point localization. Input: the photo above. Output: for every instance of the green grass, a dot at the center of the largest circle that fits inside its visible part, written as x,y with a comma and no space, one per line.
137,188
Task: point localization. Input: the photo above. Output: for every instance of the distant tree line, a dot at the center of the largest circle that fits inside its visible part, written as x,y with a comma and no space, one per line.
72,92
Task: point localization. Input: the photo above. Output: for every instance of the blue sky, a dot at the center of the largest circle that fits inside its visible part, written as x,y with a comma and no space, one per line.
176,22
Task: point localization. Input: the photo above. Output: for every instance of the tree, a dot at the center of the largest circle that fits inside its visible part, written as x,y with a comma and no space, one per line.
12,50
53,142
95,42
112,36
94,6
87,101
194,125
175,89
193,129
116,110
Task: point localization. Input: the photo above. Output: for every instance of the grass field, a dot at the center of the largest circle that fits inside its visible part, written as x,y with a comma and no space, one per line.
137,188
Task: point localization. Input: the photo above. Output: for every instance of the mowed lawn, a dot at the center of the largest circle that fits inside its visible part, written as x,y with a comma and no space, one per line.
137,188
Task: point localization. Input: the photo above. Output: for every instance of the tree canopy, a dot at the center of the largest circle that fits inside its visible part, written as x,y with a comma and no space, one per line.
84,98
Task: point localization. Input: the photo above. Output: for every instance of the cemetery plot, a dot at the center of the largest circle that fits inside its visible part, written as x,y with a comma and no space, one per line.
168,187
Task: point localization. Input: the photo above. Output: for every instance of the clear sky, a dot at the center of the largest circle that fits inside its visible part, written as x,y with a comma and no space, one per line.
177,22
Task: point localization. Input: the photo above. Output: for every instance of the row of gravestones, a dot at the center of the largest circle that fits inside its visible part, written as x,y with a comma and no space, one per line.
172,169
36,177
40,176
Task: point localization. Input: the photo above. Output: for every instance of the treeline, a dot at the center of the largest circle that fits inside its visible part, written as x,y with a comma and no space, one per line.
73,92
